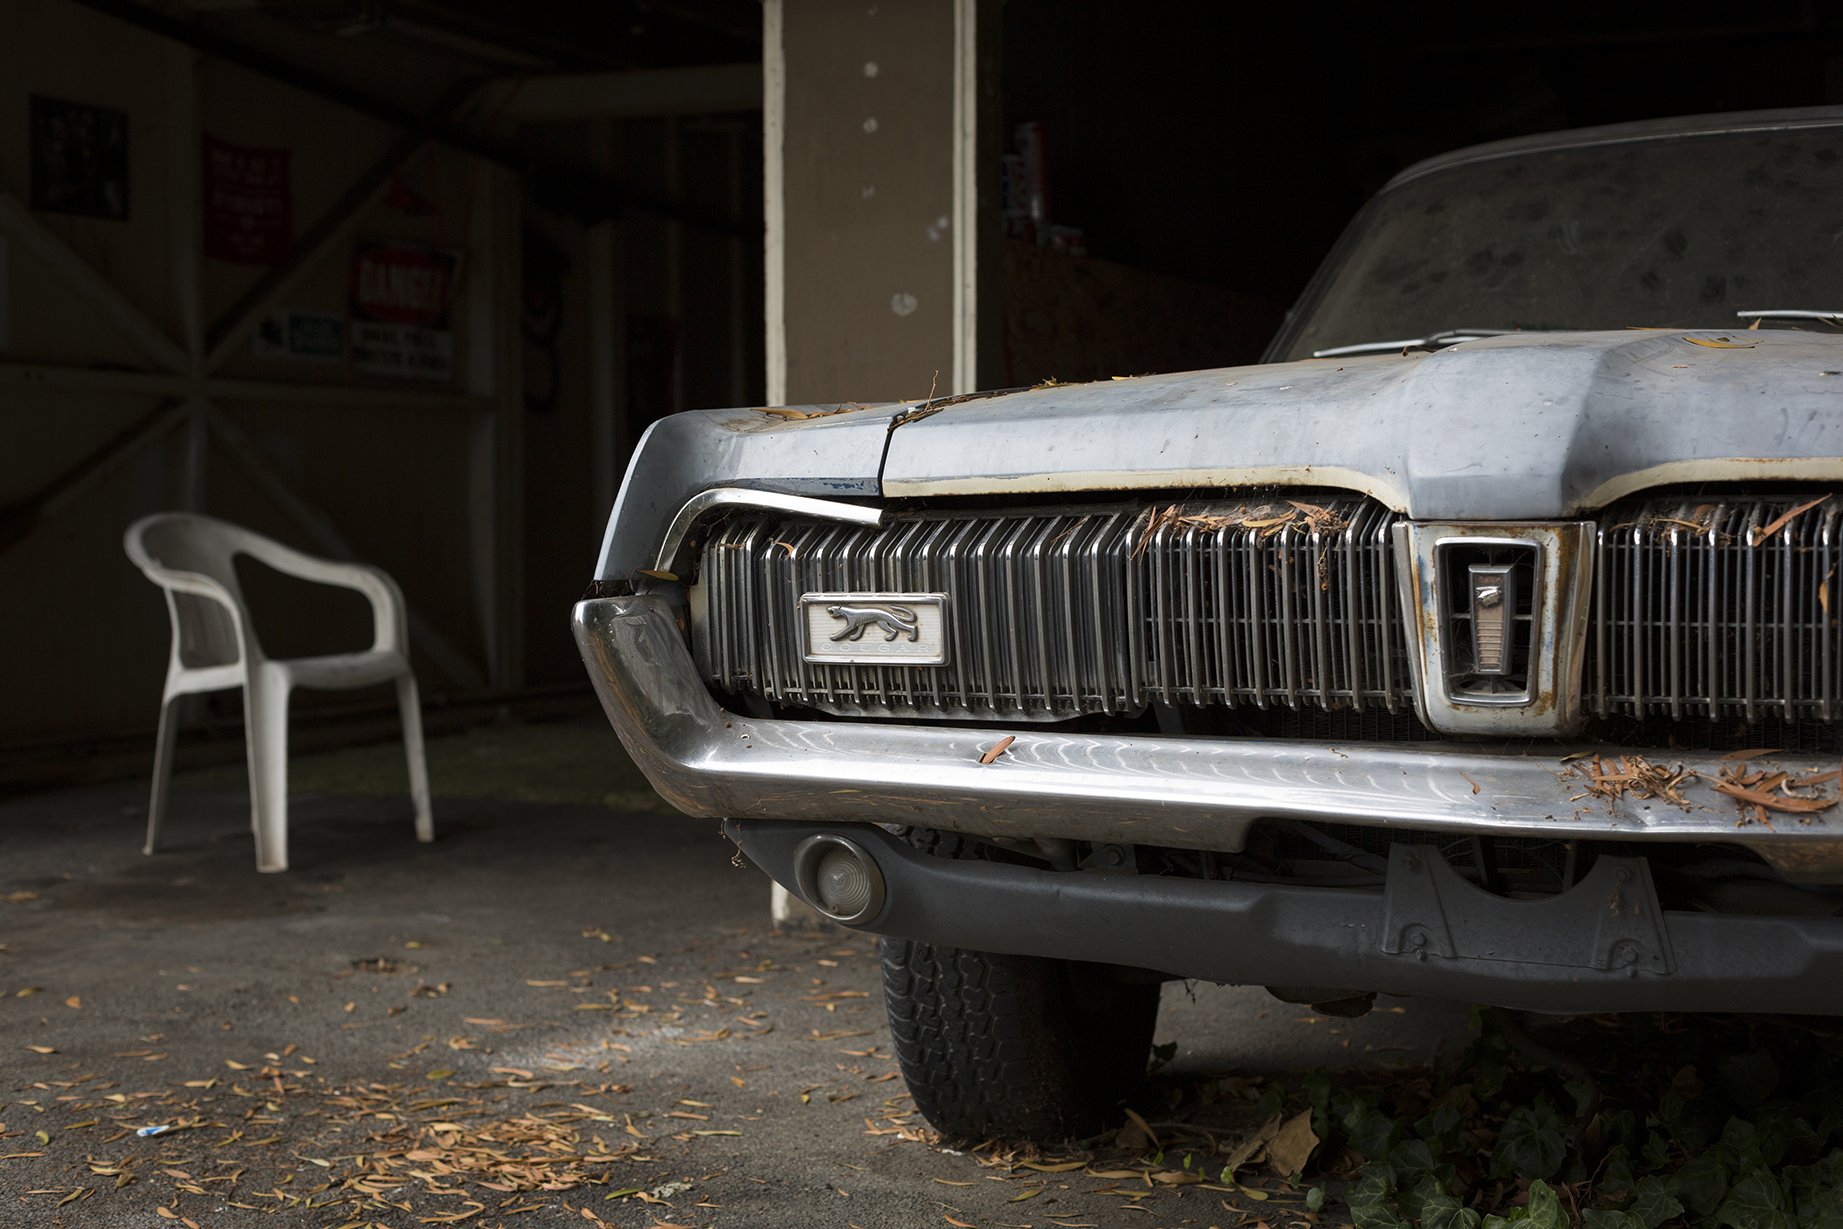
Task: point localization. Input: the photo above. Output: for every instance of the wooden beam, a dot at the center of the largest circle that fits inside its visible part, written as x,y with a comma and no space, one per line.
18,521
195,473
711,89
183,191
75,272
431,643
496,492
608,428
144,383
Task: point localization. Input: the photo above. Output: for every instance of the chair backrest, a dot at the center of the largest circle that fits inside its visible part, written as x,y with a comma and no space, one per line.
204,634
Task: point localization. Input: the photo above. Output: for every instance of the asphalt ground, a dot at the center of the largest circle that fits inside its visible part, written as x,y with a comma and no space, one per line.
559,1013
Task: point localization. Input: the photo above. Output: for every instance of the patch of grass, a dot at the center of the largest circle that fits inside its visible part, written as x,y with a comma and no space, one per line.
555,762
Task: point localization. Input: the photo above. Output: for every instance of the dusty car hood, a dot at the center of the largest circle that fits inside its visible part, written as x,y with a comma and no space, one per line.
1517,427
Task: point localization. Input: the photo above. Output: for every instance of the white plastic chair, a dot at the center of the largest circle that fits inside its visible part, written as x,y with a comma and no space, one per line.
215,648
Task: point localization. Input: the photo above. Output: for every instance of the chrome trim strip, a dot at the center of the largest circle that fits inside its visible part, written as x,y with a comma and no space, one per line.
1196,793
706,502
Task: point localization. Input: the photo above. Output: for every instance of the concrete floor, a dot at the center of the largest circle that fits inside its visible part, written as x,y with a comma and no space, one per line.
562,996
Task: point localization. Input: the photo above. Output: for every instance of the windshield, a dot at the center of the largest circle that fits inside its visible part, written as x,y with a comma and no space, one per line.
1680,231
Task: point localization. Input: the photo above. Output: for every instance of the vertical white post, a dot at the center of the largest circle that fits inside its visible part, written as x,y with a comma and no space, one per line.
774,195
966,171
784,908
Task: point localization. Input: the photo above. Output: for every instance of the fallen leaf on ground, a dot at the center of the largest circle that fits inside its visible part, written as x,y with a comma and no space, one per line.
1292,1146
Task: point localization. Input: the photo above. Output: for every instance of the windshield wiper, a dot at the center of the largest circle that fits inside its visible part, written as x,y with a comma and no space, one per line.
1433,341
1793,313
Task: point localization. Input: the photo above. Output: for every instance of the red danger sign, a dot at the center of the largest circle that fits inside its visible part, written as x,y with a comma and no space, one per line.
404,283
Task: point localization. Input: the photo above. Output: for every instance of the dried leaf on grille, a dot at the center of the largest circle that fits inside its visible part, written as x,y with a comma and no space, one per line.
1265,519
1611,780
1758,536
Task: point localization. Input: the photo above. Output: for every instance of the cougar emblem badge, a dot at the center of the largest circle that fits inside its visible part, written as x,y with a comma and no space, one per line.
873,629
892,621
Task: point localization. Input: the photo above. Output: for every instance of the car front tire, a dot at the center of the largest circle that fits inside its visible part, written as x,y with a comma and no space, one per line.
1015,1047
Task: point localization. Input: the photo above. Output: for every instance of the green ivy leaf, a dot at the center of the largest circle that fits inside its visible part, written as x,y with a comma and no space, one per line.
1315,1199
1740,1148
1370,1132
1443,1127
1656,1152
1543,1211
1653,1204
1616,1173
1369,1199
1528,1147
1700,1184
1817,1192
1432,1207
1756,1202
1411,1158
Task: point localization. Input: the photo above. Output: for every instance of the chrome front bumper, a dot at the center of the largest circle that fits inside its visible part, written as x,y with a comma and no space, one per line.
1197,793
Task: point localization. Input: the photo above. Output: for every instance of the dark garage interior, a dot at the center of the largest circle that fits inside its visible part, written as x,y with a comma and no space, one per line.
405,282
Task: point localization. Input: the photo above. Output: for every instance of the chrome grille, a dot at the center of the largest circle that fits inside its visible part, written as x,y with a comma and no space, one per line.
1705,608
1057,613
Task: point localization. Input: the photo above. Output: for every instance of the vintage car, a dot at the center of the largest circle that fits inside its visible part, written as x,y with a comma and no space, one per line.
1484,643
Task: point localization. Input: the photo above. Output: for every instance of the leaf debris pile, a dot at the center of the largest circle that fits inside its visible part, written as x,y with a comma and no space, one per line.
1265,520
1611,779
1760,791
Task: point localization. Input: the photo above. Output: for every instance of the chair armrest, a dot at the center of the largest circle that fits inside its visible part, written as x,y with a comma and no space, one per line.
388,613
195,583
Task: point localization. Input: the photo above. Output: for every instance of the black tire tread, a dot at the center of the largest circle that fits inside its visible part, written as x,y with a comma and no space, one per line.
995,1045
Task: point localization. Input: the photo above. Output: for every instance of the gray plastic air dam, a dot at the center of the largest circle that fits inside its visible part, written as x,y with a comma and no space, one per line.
1602,946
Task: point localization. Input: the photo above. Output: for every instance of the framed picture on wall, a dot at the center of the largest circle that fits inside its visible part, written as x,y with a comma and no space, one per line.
79,159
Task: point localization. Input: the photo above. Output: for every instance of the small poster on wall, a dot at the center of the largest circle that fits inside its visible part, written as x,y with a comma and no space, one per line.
248,203
79,159
401,295
298,334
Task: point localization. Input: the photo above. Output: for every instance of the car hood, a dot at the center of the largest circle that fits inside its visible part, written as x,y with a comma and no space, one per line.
1526,426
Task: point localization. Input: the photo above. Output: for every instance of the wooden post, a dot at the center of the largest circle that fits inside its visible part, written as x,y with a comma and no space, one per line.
877,156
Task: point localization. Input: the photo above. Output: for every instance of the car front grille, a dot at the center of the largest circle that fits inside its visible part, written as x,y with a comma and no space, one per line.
1723,609
1702,610
1056,614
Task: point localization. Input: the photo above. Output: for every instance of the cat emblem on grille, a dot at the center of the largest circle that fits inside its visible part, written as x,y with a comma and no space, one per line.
868,628
892,621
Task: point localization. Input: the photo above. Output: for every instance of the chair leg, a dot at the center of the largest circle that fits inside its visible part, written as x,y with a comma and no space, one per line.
409,704
265,715
164,743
